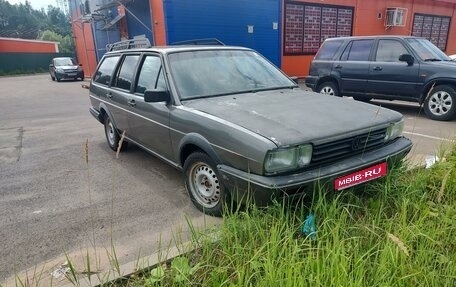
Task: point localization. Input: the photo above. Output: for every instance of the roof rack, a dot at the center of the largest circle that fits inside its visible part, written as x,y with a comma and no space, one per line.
129,44
208,41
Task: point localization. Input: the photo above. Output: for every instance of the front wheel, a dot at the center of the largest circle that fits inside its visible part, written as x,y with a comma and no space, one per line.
203,184
441,103
328,88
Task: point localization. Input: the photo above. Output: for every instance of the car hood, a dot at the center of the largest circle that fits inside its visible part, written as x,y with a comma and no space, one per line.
294,116
67,67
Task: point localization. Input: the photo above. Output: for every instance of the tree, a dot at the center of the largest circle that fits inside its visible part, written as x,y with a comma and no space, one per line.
22,21
66,44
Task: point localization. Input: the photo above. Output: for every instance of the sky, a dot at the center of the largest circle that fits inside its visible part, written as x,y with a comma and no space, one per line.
36,4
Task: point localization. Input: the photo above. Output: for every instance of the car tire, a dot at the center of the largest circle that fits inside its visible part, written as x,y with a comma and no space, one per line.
362,99
57,79
112,136
203,184
440,104
52,78
328,88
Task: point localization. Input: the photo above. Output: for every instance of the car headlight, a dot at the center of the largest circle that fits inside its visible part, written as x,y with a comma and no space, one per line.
287,159
394,130
59,70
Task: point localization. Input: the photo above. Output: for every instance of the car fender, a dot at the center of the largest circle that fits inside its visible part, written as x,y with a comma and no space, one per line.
196,140
435,82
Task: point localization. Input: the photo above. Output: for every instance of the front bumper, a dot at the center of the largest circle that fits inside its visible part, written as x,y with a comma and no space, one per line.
263,189
70,75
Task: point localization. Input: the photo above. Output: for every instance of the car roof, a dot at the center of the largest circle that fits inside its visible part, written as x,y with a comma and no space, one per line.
179,48
374,37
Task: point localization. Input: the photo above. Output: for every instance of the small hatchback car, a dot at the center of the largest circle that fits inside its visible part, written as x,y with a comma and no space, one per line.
237,126
65,68
387,67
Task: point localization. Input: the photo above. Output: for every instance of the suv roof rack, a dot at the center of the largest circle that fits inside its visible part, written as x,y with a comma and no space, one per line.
208,41
129,44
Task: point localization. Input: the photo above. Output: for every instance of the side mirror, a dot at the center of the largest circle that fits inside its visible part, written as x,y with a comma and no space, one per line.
407,58
80,65
156,96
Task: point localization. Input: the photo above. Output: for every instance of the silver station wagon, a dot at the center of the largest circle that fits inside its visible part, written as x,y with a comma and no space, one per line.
237,126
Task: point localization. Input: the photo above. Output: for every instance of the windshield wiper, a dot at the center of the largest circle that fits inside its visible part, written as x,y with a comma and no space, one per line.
240,92
432,60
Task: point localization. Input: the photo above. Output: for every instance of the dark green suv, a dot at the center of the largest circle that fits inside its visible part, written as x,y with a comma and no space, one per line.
387,67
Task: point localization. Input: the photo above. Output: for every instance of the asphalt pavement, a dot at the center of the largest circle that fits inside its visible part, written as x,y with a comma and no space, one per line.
54,203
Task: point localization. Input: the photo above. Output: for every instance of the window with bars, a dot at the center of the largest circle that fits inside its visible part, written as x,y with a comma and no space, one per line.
308,25
432,27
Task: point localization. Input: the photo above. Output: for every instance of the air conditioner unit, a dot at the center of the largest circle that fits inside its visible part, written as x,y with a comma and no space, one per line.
395,17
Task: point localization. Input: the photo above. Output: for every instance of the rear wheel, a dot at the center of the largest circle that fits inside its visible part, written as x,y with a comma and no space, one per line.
328,88
203,184
112,136
441,103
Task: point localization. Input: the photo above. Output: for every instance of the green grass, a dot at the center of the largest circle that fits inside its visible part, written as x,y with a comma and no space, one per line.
399,231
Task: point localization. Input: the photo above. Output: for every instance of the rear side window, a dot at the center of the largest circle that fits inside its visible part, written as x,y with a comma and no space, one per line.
358,50
151,75
104,72
126,72
328,50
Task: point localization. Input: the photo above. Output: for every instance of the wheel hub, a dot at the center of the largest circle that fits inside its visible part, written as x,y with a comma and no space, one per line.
440,103
205,185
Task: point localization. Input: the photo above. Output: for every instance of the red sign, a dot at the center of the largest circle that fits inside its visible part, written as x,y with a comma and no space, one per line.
361,176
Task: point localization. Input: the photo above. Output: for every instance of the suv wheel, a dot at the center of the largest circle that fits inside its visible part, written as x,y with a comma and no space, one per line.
328,88
112,136
203,184
441,103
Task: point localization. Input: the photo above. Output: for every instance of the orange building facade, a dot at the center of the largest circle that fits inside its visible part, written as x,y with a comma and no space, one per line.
369,18
15,45
288,32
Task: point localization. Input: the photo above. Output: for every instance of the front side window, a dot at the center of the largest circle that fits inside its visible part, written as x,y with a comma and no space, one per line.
222,72
389,51
308,25
126,72
358,50
104,72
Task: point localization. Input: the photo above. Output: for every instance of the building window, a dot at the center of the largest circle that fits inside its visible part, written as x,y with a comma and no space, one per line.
434,28
308,25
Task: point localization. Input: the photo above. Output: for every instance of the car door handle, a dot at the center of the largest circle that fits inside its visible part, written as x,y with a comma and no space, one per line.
378,68
131,103
109,95
338,67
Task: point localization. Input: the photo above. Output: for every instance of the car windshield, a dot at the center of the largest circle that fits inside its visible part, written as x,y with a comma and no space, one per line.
223,72
426,50
65,62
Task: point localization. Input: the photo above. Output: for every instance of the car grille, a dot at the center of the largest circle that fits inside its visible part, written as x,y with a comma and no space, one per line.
71,70
335,150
